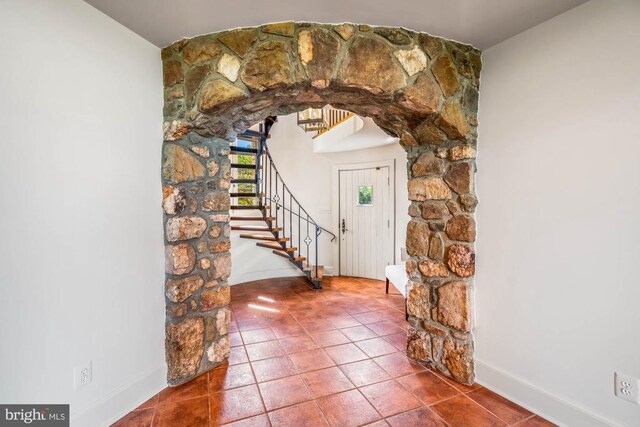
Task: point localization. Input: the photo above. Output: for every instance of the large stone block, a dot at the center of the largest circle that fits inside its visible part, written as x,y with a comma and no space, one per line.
427,164
268,66
417,238
217,93
418,301
418,345
222,267
369,65
413,60
172,73
180,165
216,201
215,298
200,50
421,189
178,290
422,96
430,268
462,228
452,120
184,344
460,177
239,41
179,259
185,228
317,49
458,358
453,305
461,259
445,73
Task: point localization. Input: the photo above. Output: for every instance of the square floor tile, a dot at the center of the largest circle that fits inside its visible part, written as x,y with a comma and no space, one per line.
298,344
343,321
305,414
195,388
369,317
184,413
428,387
345,353
237,355
386,328
499,406
390,398
536,421
264,350
284,392
423,417
257,335
261,420
231,405
358,333
274,368
464,412
235,339
376,347
348,409
398,364
227,377
326,381
329,338
311,360
364,372
137,418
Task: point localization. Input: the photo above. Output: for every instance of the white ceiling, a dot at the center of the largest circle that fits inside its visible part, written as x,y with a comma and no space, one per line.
482,23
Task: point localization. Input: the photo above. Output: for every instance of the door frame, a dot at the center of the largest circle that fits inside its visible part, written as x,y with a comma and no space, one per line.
335,200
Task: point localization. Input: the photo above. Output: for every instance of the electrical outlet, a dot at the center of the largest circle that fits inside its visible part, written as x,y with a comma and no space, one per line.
627,388
82,375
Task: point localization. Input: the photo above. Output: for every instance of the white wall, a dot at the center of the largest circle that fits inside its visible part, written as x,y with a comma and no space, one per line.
309,175
81,253
557,285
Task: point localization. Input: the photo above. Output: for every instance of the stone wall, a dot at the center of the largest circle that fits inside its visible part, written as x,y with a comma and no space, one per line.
420,88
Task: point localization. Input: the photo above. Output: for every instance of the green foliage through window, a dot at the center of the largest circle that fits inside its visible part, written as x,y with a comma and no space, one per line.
365,195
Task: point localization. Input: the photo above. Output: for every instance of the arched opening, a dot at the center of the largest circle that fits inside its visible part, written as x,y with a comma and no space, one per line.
416,87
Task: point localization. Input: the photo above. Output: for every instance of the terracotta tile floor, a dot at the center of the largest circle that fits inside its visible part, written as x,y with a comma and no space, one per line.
317,358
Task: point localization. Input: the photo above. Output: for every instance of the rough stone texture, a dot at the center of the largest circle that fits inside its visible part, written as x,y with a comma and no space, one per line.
461,259
453,305
184,343
268,66
436,247
421,189
422,96
229,66
185,228
413,60
174,200
217,85
345,30
417,238
430,268
394,35
215,298
216,201
200,50
317,49
460,177
458,358
418,302
427,164
369,65
239,41
434,210
445,73
172,73
462,228
452,120
178,290
461,152
179,259
222,267
217,93
219,350
180,165
280,28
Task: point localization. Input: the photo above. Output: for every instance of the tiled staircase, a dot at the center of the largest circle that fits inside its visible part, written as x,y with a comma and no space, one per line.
265,210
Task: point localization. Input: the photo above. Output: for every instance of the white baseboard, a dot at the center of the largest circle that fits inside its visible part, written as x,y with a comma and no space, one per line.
122,400
554,408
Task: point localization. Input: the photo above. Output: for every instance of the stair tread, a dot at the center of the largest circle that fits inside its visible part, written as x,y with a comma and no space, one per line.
255,228
252,218
250,133
242,166
266,237
244,181
244,150
286,255
246,207
275,245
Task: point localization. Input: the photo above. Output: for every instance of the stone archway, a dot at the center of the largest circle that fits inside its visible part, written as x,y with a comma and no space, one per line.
420,88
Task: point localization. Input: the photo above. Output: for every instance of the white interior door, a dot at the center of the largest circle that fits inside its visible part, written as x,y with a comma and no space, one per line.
365,222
